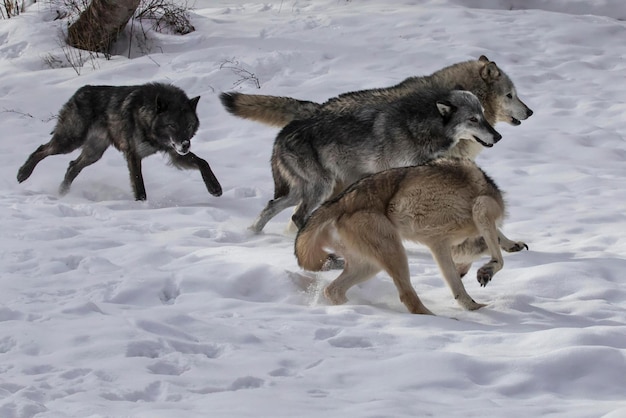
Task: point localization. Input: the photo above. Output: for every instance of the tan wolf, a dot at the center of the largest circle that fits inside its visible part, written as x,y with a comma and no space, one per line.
483,77
450,205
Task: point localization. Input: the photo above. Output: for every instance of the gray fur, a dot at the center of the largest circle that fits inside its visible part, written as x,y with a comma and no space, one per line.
483,77
314,157
137,120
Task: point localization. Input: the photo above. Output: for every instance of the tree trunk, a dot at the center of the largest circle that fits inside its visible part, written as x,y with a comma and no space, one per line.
99,25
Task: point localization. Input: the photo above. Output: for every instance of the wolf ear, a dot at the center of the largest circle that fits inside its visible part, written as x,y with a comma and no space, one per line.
194,102
483,58
445,109
490,72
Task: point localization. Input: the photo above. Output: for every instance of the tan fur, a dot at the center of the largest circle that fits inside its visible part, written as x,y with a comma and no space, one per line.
478,76
270,110
449,205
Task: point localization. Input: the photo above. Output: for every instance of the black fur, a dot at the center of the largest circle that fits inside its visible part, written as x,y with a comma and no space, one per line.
137,120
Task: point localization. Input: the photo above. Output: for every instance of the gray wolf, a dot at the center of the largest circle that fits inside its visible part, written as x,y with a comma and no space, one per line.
449,205
483,77
137,120
312,158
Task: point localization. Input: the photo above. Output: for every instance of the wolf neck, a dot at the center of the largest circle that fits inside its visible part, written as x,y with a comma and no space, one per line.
465,148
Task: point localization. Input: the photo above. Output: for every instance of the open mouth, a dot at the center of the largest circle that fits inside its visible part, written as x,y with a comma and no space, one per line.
179,148
483,143
182,151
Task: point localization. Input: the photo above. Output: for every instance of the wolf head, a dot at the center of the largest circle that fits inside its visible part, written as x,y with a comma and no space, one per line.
463,118
175,122
508,107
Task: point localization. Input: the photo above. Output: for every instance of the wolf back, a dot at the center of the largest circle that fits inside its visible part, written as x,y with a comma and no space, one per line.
137,120
483,77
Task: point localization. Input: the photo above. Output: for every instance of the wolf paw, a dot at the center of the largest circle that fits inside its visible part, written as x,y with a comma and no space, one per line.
335,296
22,174
64,188
474,306
469,303
515,247
484,275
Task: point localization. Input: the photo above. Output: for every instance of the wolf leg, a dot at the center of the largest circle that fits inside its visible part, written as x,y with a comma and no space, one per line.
191,161
291,227
136,177
273,208
315,192
508,245
462,268
465,253
355,272
443,257
55,146
372,237
485,212
92,152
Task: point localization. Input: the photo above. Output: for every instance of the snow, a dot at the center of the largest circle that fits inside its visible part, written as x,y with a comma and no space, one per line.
172,308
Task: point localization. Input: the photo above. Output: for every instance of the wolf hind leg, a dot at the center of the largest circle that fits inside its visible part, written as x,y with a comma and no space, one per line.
315,192
273,208
56,145
291,227
92,151
373,237
355,271
485,213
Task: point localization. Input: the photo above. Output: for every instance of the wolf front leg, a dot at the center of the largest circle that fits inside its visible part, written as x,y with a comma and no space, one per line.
485,214
136,178
192,161
440,250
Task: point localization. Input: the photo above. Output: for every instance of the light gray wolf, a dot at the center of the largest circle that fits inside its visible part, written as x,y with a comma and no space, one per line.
483,77
137,120
450,205
311,158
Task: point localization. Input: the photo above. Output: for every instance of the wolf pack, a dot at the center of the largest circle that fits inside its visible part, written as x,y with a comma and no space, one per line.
364,170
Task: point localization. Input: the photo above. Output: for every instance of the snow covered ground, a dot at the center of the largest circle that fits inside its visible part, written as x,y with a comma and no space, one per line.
171,308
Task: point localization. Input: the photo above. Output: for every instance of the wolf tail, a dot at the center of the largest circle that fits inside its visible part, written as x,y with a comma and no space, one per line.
270,110
316,238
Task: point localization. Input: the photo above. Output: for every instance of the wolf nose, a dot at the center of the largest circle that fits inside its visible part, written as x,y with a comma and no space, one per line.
529,113
496,137
185,145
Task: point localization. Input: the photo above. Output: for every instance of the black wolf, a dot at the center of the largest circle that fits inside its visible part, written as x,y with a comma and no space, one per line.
137,120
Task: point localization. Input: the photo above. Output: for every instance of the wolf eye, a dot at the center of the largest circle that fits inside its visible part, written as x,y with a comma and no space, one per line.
473,119
510,96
